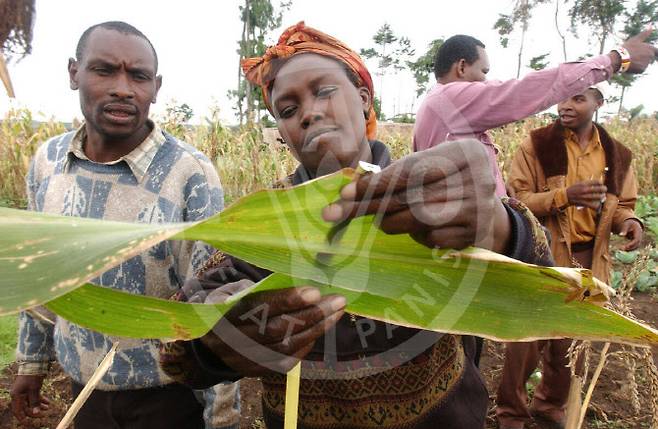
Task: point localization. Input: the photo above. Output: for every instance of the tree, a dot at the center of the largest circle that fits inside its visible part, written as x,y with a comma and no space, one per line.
644,14
377,105
423,67
15,34
390,52
258,17
175,118
539,62
506,24
599,15
559,32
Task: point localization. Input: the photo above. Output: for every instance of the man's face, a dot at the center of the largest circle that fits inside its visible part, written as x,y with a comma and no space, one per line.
117,80
578,110
319,111
477,72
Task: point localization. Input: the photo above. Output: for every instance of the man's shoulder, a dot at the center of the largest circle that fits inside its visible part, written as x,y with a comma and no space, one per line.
54,149
187,154
187,150
59,140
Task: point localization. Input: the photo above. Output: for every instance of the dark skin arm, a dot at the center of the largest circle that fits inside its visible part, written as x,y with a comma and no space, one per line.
270,331
26,398
589,193
632,230
642,54
442,197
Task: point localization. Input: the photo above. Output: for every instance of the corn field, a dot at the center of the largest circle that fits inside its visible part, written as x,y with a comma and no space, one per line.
247,161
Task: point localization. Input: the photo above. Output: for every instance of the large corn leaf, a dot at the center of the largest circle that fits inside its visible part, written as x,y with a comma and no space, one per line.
491,314
43,256
386,277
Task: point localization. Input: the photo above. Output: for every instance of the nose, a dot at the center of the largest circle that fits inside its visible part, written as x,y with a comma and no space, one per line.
315,112
122,87
310,118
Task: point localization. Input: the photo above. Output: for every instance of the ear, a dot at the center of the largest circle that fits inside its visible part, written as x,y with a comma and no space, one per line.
73,74
461,68
366,100
158,84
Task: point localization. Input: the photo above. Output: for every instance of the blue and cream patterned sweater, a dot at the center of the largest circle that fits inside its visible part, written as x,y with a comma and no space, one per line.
162,180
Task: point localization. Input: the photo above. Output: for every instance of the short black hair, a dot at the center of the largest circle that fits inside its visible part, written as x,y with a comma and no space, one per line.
597,94
454,49
121,27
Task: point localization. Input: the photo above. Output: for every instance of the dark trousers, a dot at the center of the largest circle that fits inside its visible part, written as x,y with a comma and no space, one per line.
173,406
521,359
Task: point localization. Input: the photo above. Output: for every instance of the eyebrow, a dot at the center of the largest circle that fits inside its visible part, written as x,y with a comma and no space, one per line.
111,65
287,95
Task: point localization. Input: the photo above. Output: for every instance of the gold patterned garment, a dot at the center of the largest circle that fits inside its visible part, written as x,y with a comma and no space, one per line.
373,397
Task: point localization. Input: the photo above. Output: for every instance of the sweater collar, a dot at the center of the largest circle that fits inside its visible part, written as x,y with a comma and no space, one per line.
380,156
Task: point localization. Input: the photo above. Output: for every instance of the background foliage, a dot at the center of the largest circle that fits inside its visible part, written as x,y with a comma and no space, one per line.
251,158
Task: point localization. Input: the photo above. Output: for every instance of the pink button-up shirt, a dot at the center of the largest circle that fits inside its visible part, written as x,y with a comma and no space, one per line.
468,109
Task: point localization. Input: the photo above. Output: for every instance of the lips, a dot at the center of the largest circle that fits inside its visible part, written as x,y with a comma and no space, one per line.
119,113
315,134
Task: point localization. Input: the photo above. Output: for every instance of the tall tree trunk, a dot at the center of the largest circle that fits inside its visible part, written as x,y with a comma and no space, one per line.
4,76
604,36
621,100
250,40
557,27
240,96
381,81
518,64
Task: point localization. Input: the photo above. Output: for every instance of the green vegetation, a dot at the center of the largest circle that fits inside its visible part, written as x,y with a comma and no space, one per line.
8,328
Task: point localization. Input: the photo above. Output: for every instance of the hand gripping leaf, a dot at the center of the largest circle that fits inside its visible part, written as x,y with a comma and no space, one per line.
45,258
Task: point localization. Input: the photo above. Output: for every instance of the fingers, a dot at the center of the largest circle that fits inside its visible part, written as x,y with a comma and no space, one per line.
644,35
423,217
418,169
295,345
455,237
633,231
222,293
267,329
276,302
624,229
281,346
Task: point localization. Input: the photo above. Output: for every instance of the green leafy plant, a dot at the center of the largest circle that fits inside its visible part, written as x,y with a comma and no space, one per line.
626,257
616,279
646,206
385,277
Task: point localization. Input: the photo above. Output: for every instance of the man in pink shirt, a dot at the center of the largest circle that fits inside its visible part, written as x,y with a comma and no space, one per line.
464,104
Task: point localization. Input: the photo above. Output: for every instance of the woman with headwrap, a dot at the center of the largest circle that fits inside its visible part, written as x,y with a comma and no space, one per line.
357,372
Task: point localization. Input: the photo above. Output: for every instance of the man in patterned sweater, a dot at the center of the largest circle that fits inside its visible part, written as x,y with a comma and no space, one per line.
120,166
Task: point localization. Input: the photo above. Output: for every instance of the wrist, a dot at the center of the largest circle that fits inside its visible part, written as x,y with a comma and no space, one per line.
636,220
615,60
502,229
621,59
33,368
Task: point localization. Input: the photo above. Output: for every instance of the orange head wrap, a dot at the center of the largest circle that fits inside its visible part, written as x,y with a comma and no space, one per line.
300,39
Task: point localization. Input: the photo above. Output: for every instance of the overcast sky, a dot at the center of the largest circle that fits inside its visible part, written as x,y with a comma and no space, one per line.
196,43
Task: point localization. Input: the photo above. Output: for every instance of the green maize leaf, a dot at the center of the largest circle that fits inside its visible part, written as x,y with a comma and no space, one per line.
43,256
119,313
393,277
494,315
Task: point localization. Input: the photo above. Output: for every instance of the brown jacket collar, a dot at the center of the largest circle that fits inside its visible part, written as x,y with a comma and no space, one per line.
551,152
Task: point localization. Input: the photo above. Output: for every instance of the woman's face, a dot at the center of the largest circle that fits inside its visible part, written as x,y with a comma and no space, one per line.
320,113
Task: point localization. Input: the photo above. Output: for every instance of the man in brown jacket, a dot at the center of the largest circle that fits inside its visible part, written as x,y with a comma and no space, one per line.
579,182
